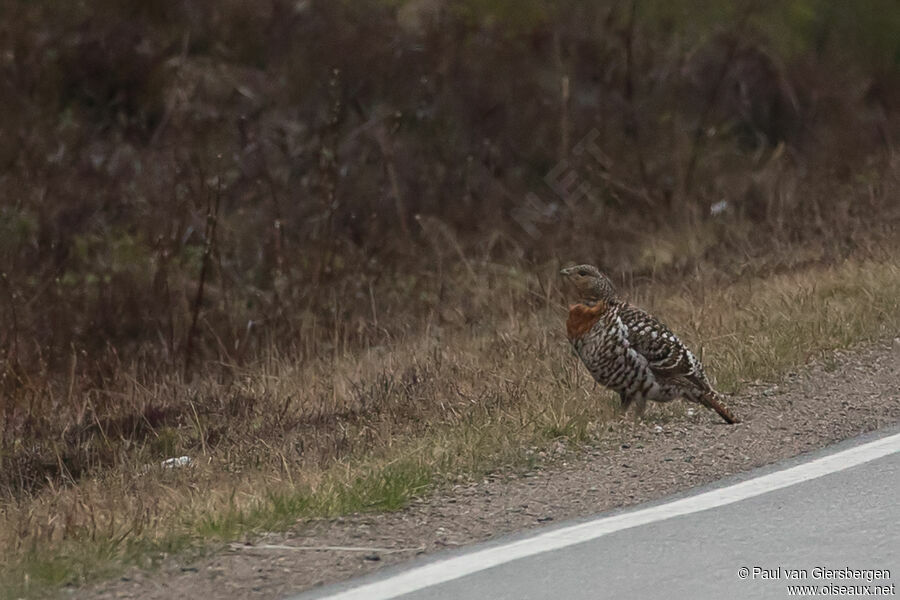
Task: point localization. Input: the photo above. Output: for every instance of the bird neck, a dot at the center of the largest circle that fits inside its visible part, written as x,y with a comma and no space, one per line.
598,291
598,297
583,316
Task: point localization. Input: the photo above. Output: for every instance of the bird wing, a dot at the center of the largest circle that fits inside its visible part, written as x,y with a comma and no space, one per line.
667,356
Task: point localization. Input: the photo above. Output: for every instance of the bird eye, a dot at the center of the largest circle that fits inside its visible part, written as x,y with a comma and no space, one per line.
583,272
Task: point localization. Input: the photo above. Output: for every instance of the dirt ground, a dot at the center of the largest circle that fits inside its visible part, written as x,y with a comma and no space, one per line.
848,394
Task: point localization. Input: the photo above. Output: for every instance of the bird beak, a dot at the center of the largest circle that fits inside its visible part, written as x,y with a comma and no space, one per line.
565,272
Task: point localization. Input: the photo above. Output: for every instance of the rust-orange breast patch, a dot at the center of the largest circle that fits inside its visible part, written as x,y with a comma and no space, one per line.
582,317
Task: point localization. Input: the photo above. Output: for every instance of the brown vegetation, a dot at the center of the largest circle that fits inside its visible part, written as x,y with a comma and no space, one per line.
299,240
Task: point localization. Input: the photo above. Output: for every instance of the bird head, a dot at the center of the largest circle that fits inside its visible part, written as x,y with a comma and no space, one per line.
588,283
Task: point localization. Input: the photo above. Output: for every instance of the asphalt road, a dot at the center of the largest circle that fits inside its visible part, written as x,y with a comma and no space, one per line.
823,514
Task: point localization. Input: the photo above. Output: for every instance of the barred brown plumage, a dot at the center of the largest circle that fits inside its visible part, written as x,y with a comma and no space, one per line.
630,351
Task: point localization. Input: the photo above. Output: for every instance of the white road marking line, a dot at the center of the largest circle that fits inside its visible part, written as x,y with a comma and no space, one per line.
460,566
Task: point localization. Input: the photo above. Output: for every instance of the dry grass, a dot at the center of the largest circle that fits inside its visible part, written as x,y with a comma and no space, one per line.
197,259
370,430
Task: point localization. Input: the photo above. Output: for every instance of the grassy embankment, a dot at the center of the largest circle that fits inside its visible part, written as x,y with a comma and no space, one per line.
425,411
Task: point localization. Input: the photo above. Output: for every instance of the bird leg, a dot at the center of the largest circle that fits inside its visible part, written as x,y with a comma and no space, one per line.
640,405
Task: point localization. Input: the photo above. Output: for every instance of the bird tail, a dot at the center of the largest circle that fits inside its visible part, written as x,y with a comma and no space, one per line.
714,401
